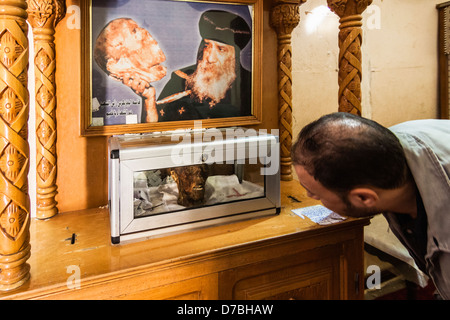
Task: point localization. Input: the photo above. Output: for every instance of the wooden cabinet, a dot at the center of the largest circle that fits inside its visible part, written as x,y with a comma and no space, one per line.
318,273
200,288
277,257
313,275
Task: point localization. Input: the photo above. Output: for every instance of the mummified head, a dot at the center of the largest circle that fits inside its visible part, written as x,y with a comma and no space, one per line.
191,182
123,47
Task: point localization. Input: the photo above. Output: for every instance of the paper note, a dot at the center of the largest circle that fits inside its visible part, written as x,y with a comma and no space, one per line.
131,119
319,214
95,105
97,121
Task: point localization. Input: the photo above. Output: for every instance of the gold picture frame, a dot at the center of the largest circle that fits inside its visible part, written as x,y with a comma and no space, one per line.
102,12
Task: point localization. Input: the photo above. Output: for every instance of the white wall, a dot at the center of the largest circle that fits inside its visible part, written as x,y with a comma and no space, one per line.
399,62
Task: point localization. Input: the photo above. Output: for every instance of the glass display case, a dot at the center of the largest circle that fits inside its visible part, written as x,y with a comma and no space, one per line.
182,180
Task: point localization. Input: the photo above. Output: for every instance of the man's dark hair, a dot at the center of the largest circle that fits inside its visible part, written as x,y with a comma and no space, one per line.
343,151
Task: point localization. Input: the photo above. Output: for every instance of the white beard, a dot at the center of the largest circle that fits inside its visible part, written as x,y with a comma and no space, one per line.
211,81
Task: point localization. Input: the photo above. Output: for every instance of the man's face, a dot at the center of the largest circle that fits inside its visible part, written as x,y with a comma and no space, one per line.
315,190
215,72
331,200
217,53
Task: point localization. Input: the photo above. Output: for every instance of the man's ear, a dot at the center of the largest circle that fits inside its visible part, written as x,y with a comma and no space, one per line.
363,197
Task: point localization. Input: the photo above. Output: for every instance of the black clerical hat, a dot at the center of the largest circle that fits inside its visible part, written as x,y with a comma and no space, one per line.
225,27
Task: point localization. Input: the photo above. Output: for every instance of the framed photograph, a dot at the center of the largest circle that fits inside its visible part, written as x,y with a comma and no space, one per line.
159,65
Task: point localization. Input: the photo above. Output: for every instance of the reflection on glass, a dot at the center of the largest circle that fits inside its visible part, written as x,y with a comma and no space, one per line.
172,189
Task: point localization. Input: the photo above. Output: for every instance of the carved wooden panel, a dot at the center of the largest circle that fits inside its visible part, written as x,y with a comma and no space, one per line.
314,285
350,40
14,149
201,288
44,15
311,275
284,18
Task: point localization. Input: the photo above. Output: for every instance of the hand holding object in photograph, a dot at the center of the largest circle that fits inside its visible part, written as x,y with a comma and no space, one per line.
129,54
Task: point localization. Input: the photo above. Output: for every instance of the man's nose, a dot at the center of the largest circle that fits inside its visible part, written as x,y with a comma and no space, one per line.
212,55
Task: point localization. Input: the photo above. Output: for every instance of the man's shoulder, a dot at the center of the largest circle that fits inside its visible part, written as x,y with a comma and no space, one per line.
435,133
422,126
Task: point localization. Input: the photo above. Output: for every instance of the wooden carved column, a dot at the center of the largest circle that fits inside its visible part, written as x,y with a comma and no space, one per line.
350,40
285,17
14,149
43,16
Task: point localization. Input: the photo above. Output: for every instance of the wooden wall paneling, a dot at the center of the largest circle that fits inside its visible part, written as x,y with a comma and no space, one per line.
443,60
14,148
350,40
43,17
